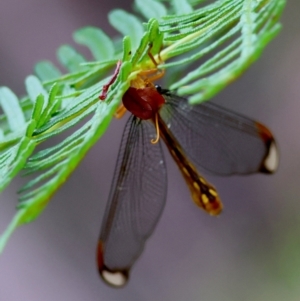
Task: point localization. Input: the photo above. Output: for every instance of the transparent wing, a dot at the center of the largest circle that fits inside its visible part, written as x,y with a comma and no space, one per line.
218,140
136,201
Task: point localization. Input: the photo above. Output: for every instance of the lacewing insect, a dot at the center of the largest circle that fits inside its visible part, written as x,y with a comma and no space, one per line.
203,136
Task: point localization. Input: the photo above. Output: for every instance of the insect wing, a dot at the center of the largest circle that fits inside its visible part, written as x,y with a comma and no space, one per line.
219,140
136,201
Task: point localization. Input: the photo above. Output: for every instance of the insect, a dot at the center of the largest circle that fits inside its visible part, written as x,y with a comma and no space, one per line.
204,136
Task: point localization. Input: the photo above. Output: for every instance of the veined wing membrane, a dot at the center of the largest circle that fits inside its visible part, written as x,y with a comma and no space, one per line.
136,201
218,140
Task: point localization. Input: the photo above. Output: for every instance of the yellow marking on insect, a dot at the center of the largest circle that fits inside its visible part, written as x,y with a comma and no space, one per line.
173,152
213,192
204,198
202,180
185,171
196,185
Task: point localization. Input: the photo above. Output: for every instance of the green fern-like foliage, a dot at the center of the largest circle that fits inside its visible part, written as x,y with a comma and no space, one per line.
216,43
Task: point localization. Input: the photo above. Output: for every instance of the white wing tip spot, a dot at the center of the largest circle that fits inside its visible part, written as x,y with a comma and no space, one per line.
114,278
272,160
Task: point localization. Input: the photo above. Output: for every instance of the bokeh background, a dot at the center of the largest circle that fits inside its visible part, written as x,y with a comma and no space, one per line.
251,252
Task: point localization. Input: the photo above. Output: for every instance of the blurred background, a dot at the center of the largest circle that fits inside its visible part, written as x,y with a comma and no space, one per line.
251,252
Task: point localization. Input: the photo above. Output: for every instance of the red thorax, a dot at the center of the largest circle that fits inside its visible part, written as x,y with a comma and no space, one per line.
143,103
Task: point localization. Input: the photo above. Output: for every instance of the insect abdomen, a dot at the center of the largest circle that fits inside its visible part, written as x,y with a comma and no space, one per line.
203,193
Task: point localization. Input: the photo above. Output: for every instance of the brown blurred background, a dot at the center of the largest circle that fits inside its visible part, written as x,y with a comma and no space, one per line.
251,252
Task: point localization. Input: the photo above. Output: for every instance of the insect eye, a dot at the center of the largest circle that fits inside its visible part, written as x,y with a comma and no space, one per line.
158,88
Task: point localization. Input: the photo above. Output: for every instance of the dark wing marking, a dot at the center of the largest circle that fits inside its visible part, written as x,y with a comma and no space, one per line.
219,140
136,201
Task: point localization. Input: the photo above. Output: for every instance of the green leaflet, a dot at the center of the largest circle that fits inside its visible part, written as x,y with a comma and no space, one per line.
127,24
181,7
45,70
13,160
34,88
216,42
10,105
97,41
70,58
151,9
